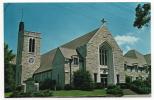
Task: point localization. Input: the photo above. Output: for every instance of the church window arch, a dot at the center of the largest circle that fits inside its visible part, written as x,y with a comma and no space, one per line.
31,45
105,54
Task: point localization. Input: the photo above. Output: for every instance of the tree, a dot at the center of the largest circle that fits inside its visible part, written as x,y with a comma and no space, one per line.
143,15
9,69
82,80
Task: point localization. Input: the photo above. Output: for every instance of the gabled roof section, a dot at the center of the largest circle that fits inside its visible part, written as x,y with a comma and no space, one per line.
67,50
67,53
46,61
80,40
134,56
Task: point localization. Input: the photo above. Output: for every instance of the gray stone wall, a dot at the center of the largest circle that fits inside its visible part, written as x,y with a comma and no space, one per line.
134,74
82,50
28,68
92,58
67,72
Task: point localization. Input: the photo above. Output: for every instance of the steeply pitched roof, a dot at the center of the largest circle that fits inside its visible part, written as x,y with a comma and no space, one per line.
67,50
46,61
67,53
134,56
80,40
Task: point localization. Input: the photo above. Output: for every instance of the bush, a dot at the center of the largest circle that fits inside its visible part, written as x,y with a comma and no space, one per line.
115,90
98,86
19,88
111,86
58,88
68,87
128,79
47,84
8,88
124,85
82,80
44,93
141,87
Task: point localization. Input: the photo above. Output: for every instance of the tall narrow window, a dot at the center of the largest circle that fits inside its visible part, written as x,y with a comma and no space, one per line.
125,67
33,46
75,61
103,56
117,78
30,43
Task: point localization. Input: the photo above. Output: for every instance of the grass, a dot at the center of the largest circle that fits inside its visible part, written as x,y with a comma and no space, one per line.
8,94
79,93
74,93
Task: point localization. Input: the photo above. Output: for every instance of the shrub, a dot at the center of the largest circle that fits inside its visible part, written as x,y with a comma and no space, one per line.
58,88
47,84
68,87
98,86
115,90
128,79
19,88
141,87
124,85
82,80
111,86
44,93
8,88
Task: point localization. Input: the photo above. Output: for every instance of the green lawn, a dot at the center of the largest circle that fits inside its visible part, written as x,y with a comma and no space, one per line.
79,93
8,94
74,93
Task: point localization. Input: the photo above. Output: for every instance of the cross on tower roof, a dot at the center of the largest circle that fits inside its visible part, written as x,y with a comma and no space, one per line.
103,21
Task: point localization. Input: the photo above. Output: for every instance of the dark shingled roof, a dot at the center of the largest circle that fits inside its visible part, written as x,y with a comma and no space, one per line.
46,61
80,41
47,58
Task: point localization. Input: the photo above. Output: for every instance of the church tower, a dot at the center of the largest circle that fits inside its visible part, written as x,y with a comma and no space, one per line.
28,54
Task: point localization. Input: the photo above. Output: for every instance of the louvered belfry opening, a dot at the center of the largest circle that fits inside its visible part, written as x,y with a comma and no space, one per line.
31,45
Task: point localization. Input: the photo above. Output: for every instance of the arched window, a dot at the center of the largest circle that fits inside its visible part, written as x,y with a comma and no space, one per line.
103,56
33,46
30,43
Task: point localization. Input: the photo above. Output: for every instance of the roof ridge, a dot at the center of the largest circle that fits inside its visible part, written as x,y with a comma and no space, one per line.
91,33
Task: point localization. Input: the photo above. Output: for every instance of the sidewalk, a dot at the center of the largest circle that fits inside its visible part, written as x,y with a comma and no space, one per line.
148,95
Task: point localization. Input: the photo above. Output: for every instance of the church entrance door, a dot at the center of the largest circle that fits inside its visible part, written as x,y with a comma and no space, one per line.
104,80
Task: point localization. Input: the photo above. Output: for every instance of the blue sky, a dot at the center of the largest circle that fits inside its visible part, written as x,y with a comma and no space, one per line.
59,23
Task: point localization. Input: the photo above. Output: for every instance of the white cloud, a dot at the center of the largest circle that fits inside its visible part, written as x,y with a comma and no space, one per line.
128,48
126,39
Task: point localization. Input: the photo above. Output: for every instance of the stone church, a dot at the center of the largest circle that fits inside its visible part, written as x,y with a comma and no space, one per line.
96,52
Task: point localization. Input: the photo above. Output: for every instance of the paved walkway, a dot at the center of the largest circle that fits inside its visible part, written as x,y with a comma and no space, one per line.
130,93
148,95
